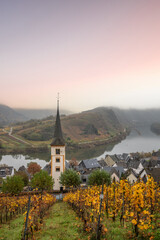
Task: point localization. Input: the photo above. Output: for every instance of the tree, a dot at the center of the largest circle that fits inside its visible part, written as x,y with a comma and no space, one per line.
33,168
70,178
98,177
24,177
42,181
13,184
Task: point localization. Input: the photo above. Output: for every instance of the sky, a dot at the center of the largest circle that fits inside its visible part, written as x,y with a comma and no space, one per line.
93,52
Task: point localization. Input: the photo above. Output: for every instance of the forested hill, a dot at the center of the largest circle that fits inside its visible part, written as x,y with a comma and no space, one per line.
155,127
96,124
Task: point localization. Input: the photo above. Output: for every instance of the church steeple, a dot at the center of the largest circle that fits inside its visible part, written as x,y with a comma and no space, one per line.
58,136
57,152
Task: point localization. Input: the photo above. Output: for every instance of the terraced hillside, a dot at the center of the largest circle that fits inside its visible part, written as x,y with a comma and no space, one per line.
93,125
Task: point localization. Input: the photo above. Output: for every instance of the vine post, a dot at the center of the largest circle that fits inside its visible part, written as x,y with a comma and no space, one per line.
25,230
99,216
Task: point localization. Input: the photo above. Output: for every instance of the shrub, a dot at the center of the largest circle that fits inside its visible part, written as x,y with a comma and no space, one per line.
13,184
24,177
42,181
70,178
97,177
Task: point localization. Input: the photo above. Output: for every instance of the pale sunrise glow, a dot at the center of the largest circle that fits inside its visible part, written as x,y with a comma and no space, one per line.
95,53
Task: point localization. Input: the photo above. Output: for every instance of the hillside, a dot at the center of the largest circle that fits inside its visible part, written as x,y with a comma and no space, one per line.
39,113
93,125
155,127
8,116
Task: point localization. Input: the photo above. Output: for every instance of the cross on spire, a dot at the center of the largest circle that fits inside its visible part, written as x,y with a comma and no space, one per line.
58,97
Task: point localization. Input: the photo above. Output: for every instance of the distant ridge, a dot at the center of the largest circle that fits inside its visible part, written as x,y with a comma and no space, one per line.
9,115
39,113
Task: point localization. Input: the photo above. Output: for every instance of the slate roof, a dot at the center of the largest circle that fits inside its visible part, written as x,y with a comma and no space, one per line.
133,163
111,170
120,157
58,136
23,169
150,163
155,173
120,170
129,171
144,162
125,156
121,164
102,163
107,169
114,157
66,164
47,168
117,170
90,163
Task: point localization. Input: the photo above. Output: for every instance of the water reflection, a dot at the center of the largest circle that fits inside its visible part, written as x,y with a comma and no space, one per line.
20,160
86,153
141,140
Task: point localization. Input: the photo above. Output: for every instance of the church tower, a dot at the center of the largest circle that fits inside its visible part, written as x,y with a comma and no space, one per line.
57,152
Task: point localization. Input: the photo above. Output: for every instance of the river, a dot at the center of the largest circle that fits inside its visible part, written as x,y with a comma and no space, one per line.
139,140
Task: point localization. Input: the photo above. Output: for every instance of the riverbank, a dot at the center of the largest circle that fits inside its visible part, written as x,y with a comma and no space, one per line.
112,140
69,146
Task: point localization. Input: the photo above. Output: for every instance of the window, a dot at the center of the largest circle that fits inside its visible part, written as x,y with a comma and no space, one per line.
57,151
57,169
57,159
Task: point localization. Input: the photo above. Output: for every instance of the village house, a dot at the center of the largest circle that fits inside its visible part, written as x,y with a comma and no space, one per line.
153,172
123,157
131,176
102,163
87,165
110,160
6,171
122,164
24,170
156,155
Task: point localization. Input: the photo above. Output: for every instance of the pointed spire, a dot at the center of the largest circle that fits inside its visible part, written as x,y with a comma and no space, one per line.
58,136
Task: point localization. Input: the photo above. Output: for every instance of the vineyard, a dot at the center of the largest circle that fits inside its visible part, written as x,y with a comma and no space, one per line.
33,208
136,207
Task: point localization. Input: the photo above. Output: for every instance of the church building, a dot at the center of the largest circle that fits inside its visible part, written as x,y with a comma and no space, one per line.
57,152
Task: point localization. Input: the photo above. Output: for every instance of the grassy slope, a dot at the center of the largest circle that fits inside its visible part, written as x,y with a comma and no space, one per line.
62,224
12,230
115,230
